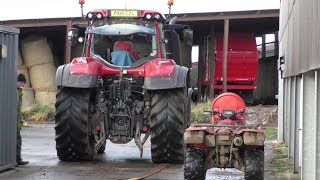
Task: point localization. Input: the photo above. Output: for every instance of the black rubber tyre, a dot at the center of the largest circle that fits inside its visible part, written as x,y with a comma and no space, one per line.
167,126
72,119
254,159
194,167
102,148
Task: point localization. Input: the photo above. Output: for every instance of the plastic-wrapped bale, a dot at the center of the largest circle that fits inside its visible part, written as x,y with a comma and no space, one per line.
20,61
43,76
27,97
23,70
45,96
36,51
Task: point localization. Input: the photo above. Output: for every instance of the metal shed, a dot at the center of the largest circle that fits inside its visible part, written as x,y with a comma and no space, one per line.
8,96
299,85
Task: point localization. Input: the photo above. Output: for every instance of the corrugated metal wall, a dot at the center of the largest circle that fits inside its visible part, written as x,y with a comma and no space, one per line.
299,91
299,25
8,98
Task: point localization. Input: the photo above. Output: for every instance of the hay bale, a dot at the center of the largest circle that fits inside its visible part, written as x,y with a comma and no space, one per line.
27,97
20,61
36,51
23,70
45,96
43,76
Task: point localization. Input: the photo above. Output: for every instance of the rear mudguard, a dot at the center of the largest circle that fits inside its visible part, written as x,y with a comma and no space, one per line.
206,135
66,79
177,79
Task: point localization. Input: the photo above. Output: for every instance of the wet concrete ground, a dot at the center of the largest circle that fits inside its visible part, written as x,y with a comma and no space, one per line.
118,162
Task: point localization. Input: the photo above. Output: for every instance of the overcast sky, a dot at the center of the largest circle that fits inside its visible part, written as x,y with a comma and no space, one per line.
34,9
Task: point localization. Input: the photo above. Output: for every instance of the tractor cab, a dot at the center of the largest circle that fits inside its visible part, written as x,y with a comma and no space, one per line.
129,38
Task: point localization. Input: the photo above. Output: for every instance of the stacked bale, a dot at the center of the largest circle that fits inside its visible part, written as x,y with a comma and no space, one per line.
39,60
28,93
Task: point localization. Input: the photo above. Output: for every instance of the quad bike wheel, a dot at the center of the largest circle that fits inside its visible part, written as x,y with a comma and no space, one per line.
194,167
102,148
167,126
72,121
254,159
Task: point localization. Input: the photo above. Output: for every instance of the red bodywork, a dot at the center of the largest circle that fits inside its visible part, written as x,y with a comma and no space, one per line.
242,63
91,66
228,101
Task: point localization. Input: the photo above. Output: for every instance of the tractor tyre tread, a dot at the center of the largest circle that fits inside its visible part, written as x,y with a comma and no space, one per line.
167,126
71,124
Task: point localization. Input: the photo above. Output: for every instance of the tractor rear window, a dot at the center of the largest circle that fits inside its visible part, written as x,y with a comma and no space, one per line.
123,42
121,27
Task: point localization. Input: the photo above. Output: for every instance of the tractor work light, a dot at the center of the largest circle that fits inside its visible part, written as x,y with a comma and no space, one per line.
148,16
89,15
99,16
157,16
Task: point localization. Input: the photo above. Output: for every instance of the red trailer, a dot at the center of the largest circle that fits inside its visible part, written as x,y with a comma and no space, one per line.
242,64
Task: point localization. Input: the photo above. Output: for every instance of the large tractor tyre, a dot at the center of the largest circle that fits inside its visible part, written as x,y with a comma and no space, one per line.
254,159
194,165
167,126
72,121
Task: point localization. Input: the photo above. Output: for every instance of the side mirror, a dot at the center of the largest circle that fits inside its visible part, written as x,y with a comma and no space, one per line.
73,35
188,37
3,51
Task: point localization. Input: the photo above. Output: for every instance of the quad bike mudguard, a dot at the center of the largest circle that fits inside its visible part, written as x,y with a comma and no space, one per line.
157,73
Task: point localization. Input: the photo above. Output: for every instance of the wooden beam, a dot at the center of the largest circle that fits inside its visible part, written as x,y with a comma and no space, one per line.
225,55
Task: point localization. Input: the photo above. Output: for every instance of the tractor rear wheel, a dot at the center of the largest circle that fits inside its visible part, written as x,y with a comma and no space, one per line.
72,123
167,126
254,159
194,167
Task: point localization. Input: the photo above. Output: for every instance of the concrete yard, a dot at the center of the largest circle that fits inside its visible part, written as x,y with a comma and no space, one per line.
120,161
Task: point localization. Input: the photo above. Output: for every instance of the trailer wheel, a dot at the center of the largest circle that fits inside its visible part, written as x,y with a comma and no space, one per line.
72,122
254,164
194,167
167,126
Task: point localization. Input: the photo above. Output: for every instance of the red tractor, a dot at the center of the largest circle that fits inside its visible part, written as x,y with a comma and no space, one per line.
227,143
112,94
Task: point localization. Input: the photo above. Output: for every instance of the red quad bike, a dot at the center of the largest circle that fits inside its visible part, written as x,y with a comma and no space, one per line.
108,95
227,143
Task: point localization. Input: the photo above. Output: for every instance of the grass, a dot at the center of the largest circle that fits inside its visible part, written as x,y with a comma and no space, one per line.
38,112
271,133
281,162
197,110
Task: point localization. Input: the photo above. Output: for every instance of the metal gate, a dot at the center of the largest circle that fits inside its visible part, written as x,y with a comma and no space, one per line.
8,96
